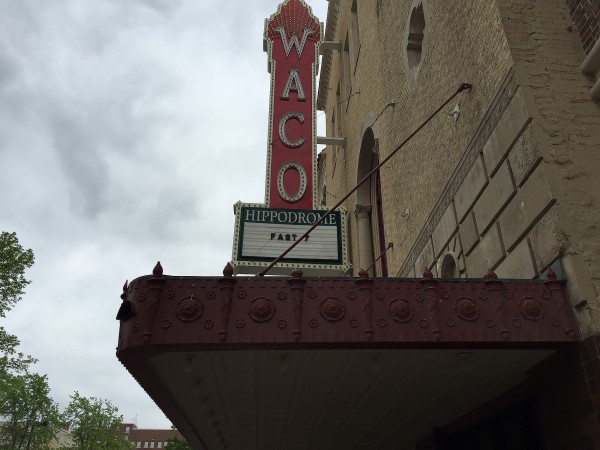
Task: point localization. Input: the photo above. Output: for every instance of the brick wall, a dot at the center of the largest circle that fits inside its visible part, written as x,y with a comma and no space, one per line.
461,38
586,16
548,59
500,216
514,183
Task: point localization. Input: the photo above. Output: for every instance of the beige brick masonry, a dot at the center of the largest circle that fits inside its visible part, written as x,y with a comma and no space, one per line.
468,234
470,189
509,128
547,239
524,156
493,199
517,264
525,208
445,229
486,255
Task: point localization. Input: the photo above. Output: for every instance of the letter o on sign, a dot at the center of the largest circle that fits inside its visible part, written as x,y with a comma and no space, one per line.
301,188
291,115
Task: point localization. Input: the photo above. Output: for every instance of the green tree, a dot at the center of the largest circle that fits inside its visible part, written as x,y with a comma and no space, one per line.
94,424
177,444
28,413
30,416
11,360
14,259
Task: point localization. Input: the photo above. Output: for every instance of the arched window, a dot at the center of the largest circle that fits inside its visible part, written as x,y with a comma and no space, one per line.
449,267
369,210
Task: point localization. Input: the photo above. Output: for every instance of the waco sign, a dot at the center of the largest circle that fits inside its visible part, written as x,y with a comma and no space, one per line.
263,232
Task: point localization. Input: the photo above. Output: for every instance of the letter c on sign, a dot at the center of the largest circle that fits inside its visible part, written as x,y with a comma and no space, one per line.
301,188
291,115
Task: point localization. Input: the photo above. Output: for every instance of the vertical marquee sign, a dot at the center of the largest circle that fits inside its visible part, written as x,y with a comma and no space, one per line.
292,36
262,232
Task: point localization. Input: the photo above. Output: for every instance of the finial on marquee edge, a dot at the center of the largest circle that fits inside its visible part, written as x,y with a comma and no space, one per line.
427,273
551,274
125,287
362,273
228,270
297,273
158,270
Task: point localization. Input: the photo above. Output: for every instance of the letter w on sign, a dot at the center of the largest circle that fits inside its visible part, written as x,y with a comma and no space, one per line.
287,45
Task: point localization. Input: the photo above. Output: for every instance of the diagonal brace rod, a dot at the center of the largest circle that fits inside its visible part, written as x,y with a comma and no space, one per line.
462,87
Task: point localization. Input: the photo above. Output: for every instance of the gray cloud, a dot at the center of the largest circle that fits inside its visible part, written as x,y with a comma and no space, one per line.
127,131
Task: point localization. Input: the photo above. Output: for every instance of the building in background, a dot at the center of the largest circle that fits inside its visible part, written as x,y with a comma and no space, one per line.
147,437
479,327
63,439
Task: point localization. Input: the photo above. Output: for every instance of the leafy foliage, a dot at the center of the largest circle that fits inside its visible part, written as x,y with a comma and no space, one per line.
10,359
14,259
94,424
28,413
177,444
30,416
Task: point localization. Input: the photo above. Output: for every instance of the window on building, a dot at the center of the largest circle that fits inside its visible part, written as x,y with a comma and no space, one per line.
139,445
346,77
449,266
159,445
152,444
338,110
127,429
146,444
416,36
355,33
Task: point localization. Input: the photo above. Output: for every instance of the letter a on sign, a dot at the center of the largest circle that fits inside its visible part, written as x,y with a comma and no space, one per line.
292,36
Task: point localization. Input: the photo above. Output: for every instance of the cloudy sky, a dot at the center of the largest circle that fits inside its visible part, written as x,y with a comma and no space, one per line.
128,129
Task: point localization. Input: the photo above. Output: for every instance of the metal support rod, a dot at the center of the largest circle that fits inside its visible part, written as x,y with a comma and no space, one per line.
262,273
390,245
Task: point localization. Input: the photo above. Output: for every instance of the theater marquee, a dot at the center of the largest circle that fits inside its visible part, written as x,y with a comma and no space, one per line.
264,231
262,234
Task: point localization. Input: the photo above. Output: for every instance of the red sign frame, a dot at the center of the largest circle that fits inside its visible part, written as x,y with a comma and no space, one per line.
292,36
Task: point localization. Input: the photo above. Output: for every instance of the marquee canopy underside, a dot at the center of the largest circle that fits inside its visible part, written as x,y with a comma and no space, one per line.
303,363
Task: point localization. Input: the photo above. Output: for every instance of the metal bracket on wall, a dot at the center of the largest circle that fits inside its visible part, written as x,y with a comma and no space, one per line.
330,45
323,140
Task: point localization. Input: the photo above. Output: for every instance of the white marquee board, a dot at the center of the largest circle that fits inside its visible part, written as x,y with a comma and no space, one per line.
262,234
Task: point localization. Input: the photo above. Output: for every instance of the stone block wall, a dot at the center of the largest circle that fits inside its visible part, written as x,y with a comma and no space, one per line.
502,215
548,54
513,182
461,37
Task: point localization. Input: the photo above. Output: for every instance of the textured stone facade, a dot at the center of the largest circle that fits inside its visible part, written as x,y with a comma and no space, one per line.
506,176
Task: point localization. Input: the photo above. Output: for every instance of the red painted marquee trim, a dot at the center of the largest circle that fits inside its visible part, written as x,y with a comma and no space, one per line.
297,312
161,313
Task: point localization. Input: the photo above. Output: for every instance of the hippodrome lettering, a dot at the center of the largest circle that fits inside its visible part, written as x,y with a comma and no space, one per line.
288,217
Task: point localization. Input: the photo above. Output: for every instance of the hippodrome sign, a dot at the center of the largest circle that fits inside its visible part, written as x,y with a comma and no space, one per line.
263,232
